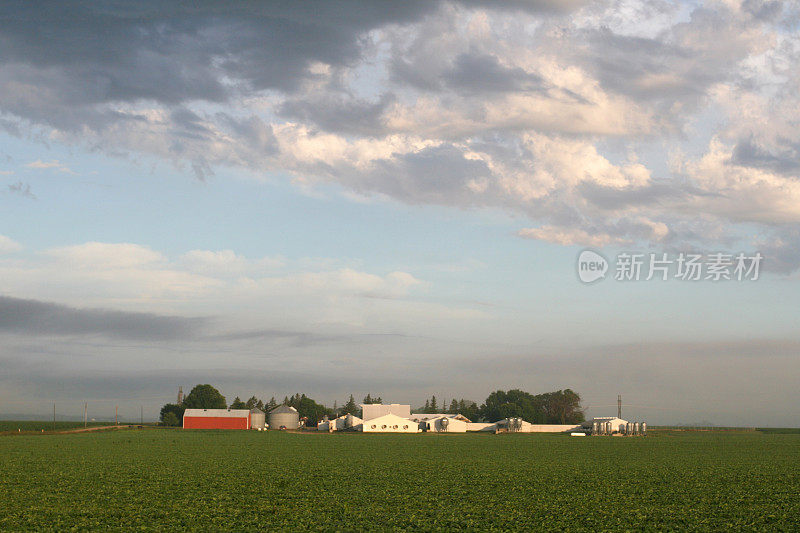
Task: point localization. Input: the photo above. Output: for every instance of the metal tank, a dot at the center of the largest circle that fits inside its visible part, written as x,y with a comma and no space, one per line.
258,420
644,428
636,428
284,417
444,422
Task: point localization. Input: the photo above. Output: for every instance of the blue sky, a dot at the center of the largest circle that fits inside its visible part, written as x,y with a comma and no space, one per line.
397,206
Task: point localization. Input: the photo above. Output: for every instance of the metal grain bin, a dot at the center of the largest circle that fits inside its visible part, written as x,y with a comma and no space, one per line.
258,420
284,417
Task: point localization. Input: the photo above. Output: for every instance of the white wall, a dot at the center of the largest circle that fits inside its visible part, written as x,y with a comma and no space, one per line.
390,424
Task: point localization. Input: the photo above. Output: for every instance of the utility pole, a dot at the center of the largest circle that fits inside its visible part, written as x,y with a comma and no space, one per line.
54,416
84,413
141,415
116,415
619,405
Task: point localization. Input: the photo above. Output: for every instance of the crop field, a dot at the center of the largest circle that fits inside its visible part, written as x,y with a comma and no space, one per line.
38,425
212,480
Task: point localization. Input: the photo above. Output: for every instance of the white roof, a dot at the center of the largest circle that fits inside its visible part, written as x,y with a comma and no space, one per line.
218,413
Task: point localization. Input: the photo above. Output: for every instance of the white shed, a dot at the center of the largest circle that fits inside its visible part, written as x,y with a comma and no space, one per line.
617,424
340,424
390,424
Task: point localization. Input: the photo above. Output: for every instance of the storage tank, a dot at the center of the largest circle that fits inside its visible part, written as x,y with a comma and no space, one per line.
636,428
644,428
284,417
258,420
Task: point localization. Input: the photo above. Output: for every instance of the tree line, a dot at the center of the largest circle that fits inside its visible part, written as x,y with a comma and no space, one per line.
558,407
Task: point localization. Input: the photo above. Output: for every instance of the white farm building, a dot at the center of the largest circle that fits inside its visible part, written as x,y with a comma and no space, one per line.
342,423
441,423
390,423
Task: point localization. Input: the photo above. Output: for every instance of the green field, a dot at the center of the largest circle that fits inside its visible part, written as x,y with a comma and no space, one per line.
38,425
212,480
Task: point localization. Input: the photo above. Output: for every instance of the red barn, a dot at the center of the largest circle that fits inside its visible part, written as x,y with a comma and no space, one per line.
216,419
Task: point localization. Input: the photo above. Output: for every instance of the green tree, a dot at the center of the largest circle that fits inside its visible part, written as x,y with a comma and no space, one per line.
204,397
309,409
453,410
350,408
370,399
176,412
252,403
238,404
272,404
559,407
434,408
169,419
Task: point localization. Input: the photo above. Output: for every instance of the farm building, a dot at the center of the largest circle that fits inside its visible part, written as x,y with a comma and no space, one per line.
342,423
217,419
617,424
374,410
441,422
390,423
284,417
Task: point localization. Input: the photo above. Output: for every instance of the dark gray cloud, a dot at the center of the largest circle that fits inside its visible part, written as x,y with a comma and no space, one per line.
784,157
32,317
340,112
484,73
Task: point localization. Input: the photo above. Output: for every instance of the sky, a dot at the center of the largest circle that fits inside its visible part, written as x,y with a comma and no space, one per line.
391,198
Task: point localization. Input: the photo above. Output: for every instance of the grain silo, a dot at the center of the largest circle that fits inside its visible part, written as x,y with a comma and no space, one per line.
284,417
258,420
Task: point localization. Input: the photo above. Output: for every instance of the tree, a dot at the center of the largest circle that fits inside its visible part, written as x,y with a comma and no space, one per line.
238,404
370,399
172,414
308,408
433,406
272,404
453,410
560,407
169,419
350,408
252,403
204,397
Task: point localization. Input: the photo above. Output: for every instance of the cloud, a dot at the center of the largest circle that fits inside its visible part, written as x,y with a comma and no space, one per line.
563,113
32,317
39,164
8,245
